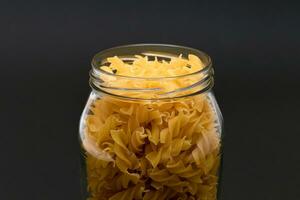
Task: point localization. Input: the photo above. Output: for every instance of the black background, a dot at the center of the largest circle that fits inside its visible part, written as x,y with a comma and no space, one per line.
46,48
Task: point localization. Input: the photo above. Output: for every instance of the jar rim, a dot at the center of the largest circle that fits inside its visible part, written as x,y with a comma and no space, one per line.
126,53
104,54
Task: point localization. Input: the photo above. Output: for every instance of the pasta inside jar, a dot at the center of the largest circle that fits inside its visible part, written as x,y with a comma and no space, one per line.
151,128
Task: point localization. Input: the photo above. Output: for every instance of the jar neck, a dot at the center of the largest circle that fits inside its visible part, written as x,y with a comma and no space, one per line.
150,88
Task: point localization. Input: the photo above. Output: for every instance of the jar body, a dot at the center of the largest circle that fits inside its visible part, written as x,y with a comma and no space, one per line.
151,149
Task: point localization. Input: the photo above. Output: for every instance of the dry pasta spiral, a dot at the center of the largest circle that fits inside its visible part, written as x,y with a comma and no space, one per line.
152,150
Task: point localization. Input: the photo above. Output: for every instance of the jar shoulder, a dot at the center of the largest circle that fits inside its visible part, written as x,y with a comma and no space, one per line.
100,105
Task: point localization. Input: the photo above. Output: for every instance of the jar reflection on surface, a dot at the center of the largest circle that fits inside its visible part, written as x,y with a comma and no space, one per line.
141,143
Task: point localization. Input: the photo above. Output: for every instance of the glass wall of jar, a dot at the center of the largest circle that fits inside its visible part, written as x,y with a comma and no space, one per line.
151,136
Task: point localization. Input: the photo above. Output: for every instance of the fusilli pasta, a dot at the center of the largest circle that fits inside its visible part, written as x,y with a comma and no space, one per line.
152,150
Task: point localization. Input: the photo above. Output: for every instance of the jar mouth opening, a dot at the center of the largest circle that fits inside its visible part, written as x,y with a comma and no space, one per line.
147,49
105,82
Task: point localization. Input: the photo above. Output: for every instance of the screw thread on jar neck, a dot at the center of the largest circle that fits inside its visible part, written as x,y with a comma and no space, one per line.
203,79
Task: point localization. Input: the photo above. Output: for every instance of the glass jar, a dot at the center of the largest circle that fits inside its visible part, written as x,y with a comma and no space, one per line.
143,141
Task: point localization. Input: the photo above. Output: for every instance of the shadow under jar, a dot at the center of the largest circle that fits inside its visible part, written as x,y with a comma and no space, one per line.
150,137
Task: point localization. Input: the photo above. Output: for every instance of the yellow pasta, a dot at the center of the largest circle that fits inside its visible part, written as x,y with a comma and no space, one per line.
137,139
160,150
